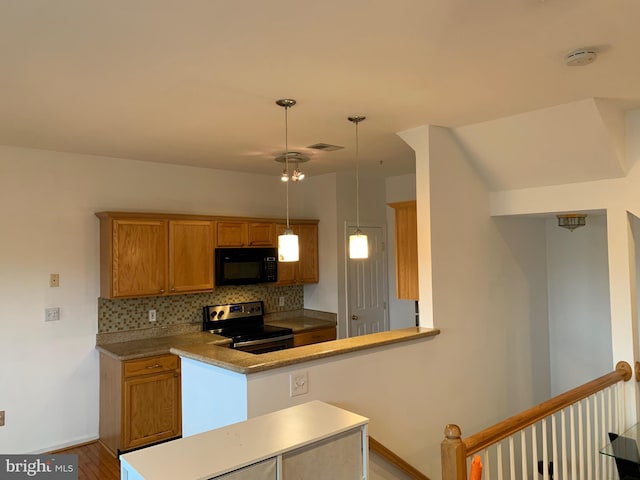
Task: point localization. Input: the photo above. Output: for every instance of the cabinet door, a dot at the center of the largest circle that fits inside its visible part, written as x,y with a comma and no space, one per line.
190,256
406,235
151,409
139,257
232,234
308,238
265,470
287,271
262,234
337,458
314,336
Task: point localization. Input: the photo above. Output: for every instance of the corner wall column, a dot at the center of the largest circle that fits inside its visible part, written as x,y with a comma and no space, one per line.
418,139
623,299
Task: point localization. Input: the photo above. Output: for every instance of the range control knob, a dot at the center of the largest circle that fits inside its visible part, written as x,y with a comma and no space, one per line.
220,313
213,315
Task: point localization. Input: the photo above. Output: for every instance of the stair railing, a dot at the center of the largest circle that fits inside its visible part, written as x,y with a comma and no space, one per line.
558,439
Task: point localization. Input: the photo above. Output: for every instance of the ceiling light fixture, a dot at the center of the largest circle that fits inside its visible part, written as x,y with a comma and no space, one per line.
572,221
358,242
292,157
288,250
297,174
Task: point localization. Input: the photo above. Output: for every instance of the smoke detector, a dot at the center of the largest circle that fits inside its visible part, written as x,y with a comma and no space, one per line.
580,57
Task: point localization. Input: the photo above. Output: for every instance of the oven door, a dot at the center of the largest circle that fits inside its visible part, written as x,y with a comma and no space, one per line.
264,345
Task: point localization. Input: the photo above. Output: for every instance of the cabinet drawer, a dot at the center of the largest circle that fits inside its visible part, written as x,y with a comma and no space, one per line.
146,366
314,336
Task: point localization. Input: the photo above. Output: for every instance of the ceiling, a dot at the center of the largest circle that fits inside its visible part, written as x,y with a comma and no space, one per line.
195,82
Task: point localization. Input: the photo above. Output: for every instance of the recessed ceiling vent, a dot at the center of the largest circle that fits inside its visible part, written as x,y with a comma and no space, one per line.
325,147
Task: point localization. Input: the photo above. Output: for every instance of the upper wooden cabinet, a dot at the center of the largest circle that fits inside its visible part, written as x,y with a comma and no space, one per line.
147,256
406,235
151,254
245,234
306,269
190,256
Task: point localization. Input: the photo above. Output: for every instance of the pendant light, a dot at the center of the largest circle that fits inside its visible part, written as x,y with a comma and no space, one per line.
288,250
358,243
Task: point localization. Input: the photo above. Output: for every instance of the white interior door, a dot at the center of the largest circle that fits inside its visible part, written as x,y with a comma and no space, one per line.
367,286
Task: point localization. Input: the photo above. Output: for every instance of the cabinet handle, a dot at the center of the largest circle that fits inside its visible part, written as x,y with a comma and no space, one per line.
162,290
173,289
151,367
354,317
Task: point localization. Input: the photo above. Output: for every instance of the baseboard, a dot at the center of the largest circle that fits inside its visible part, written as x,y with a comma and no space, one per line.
63,446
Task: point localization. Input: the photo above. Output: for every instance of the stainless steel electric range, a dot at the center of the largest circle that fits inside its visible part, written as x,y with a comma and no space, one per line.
244,324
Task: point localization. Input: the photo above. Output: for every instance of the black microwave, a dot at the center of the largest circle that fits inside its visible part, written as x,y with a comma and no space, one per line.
246,266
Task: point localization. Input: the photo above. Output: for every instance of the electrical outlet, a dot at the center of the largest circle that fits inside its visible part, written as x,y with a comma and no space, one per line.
152,315
298,383
52,314
1,418
281,301
54,280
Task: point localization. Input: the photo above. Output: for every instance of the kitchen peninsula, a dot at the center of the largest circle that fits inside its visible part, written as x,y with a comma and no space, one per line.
222,386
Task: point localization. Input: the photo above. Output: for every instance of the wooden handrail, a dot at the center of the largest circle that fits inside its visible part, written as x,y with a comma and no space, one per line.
395,460
455,450
508,427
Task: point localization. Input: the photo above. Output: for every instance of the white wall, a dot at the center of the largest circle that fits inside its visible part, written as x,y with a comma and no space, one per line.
323,296
49,376
489,294
579,317
398,189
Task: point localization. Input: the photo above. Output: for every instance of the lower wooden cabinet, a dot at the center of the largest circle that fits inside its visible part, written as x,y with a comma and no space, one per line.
314,336
139,401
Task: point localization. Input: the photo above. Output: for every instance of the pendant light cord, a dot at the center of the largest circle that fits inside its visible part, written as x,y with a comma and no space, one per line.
357,182
286,156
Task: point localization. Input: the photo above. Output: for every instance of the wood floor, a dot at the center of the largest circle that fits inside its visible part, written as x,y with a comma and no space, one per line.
94,462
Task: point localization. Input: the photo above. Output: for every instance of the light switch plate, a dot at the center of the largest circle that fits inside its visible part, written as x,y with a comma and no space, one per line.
52,314
298,383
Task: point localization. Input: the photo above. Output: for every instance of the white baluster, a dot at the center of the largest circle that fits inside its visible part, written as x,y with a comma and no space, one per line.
512,463
534,449
545,454
523,453
589,441
563,426
572,432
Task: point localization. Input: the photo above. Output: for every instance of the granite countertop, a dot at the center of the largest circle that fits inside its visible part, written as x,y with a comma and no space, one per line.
243,362
129,345
160,345
301,323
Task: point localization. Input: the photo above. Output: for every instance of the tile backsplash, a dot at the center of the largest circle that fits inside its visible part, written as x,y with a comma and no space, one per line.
121,315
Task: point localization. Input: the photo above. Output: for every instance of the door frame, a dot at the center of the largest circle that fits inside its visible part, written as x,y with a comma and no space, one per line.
348,228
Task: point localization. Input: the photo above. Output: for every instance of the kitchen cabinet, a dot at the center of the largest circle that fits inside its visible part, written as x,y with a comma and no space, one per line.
314,336
154,256
245,234
406,236
304,270
140,401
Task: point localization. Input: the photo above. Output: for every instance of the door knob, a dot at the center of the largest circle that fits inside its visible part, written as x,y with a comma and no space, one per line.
354,317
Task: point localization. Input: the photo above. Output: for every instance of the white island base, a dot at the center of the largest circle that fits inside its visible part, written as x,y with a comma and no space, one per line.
313,440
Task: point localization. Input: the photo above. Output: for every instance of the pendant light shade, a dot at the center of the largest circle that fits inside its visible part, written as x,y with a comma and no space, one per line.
288,250
358,241
358,245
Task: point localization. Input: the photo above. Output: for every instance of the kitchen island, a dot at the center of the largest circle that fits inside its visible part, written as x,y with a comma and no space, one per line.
221,386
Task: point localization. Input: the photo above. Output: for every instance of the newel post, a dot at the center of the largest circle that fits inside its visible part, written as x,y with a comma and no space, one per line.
453,453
